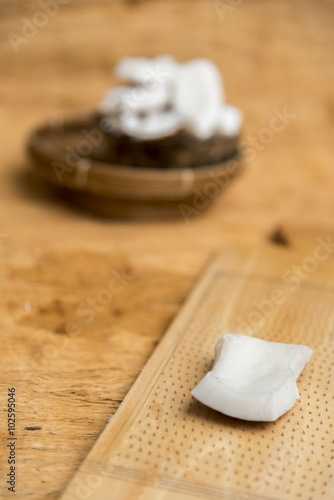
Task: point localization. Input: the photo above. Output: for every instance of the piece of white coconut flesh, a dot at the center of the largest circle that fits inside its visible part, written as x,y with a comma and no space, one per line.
253,379
192,92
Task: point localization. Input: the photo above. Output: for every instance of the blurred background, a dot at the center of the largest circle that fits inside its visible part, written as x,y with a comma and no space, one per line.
57,57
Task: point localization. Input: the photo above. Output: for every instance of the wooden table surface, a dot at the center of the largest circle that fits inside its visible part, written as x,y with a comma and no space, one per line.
277,60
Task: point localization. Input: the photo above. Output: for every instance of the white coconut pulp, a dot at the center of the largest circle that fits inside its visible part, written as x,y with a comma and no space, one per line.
164,96
252,379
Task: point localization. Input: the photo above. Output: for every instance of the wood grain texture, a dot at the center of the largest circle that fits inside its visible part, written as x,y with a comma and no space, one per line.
54,257
164,444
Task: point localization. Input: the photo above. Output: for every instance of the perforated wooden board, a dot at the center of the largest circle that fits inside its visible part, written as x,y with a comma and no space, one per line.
163,444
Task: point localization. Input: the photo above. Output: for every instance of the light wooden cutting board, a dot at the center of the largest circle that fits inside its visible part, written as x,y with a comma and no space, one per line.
163,444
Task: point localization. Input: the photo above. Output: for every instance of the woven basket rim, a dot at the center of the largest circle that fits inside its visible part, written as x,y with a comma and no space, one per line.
109,178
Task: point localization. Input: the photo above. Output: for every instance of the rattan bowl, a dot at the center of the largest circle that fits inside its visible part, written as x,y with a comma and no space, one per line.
62,154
